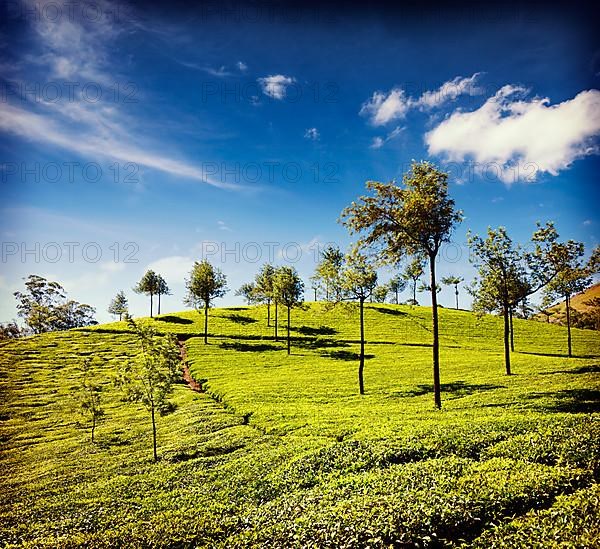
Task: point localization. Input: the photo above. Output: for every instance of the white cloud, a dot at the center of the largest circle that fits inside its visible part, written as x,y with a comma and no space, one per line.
172,268
449,91
512,132
112,266
79,50
587,222
223,226
275,86
242,67
40,128
383,107
312,134
379,142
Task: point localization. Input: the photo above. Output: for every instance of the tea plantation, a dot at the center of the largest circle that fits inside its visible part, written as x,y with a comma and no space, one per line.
282,451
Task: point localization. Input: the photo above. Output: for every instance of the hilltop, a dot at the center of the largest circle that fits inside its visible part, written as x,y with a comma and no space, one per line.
278,451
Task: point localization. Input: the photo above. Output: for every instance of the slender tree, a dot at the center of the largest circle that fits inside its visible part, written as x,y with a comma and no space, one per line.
328,271
288,290
162,288
148,285
380,293
414,218
508,274
150,377
90,396
358,281
413,272
118,306
316,286
573,276
206,283
263,287
248,292
453,281
397,285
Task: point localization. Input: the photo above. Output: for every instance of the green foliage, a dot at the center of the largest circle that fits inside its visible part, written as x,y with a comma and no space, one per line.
149,378
119,305
205,284
44,307
90,395
248,292
281,452
327,272
413,219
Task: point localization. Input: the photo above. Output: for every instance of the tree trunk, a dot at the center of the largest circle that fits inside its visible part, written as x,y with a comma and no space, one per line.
315,294
206,323
288,329
120,314
150,305
268,312
159,303
276,334
154,433
437,390
568,304
415,292
93,426
361,364
456,293
512,331
506,339
397,298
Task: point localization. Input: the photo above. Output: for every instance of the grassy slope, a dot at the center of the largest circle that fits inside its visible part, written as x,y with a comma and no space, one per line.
578,300
281,450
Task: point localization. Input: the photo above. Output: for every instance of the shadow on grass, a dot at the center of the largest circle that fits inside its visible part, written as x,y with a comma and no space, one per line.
249,347
389,311
557,355
174,319
345,355
310,331
573,401
240,319
318,343
594,369
456,388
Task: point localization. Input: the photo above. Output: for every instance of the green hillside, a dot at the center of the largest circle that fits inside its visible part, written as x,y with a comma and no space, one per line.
281,451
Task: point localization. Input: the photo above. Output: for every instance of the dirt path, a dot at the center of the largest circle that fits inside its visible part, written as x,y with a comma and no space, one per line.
187,376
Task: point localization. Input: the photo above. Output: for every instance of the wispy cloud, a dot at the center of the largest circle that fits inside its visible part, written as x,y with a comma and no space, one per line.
379,142
76,49
384,107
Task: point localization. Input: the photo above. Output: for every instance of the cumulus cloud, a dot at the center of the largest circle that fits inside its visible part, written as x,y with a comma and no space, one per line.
275,86
384,107
242,67
312,134
512,131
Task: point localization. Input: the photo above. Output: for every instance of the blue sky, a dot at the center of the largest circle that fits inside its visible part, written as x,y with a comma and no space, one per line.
151,136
